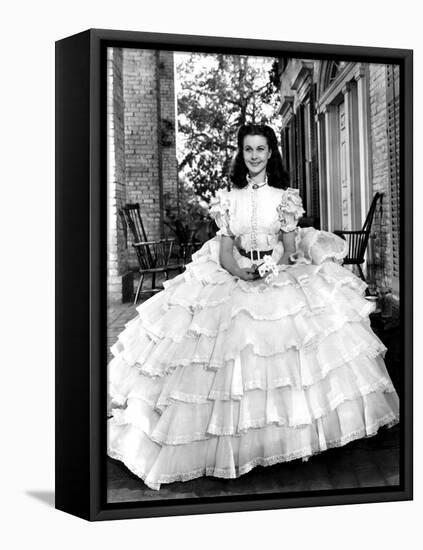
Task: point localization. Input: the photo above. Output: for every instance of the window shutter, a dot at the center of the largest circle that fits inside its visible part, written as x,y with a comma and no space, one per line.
309,148
393,115
315,200
301,154
293,147
285,147
298,151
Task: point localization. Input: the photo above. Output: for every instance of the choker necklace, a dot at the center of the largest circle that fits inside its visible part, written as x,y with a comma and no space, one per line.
256,185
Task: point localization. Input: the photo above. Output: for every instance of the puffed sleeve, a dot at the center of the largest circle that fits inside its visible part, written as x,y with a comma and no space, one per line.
220,208
290,209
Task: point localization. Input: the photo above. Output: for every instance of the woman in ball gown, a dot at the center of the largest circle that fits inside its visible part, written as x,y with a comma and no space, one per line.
230,367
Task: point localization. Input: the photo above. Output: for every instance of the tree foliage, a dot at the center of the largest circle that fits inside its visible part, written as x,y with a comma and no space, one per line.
216,94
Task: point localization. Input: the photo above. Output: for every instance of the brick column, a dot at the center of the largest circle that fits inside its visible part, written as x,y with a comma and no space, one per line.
119,278
142,163
381,243
167,141
140,89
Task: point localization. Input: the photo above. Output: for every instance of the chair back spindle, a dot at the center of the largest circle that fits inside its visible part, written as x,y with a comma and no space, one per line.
358,240
132,215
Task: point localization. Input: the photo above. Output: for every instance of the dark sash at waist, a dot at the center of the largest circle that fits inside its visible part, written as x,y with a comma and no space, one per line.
255,254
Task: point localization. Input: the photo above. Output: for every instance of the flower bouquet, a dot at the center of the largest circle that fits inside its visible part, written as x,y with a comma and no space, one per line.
268,266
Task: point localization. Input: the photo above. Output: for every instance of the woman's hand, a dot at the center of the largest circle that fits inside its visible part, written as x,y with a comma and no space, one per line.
228,262
248,273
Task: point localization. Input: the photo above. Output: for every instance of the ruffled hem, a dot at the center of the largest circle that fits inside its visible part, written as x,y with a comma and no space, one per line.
148,469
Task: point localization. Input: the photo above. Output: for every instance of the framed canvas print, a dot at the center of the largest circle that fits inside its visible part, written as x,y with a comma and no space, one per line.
234,274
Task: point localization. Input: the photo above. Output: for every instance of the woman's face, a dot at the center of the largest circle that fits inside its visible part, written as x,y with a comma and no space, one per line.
256,153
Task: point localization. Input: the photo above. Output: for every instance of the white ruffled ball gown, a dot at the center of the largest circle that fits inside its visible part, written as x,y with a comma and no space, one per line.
216,375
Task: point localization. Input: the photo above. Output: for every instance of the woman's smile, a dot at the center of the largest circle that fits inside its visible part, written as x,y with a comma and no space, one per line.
256,153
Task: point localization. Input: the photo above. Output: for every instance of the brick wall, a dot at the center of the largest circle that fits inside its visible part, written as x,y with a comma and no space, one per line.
169,164
381,244
117,253
141,135
142,161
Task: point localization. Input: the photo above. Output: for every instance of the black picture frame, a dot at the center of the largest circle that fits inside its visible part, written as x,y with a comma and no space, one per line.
81,266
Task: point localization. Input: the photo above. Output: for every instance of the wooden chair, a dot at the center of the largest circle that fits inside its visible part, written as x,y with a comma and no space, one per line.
358,240
154,257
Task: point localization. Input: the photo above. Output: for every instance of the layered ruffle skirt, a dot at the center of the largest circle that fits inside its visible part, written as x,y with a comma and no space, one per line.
216,375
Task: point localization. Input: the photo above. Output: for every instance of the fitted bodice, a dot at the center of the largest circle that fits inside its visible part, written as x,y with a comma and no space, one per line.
256,216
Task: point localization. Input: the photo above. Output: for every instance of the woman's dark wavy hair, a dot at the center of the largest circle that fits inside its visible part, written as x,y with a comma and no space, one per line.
277,175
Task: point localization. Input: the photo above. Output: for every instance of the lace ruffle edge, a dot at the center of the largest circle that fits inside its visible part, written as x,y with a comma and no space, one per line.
308,343
379,349
231,473
216,430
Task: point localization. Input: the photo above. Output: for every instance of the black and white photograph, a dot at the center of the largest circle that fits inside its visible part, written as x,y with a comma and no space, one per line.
253,275
211,272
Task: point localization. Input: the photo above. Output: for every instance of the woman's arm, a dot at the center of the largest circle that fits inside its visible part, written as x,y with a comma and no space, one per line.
288,241
228,261
290,210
